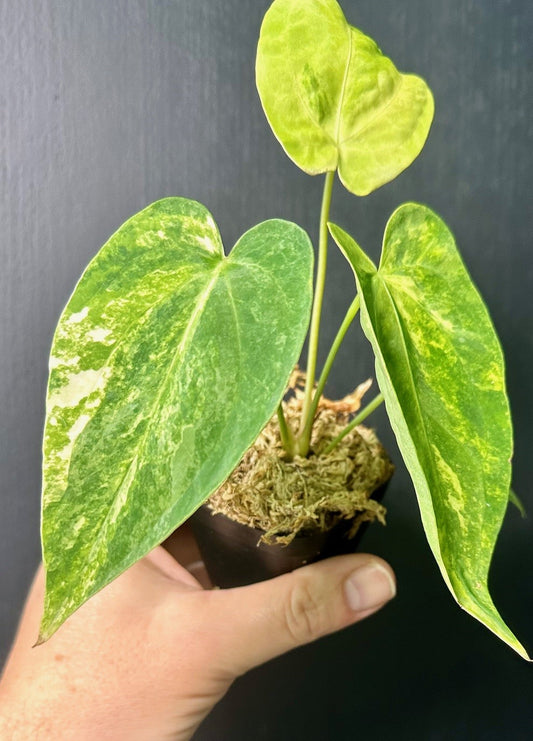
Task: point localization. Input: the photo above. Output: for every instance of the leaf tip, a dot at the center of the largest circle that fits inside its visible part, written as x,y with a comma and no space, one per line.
46,631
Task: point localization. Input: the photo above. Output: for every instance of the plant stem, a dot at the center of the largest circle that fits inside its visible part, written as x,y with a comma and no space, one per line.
287,438
348,319
363,414
318,297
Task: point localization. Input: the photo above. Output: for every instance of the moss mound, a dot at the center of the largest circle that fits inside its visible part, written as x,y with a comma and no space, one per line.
284,498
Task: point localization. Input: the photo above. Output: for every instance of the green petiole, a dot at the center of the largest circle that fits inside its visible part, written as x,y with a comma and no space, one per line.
318,298
303,442
357,420
287,437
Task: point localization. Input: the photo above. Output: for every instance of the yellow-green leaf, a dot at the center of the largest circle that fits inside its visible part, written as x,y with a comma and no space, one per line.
167,361
440,368
334,100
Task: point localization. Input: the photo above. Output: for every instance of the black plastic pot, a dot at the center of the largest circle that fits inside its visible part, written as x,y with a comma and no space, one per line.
234,557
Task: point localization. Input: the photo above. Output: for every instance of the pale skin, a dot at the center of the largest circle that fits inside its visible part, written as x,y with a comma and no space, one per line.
148,657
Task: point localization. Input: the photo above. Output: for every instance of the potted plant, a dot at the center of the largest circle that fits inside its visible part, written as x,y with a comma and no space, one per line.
172,367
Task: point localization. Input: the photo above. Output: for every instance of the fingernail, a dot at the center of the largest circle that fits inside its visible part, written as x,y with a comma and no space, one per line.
369,586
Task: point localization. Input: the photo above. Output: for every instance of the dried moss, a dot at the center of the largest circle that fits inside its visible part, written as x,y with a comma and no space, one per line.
284,498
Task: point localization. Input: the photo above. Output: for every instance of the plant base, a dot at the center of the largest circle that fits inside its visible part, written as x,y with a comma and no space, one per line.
273,515
236,555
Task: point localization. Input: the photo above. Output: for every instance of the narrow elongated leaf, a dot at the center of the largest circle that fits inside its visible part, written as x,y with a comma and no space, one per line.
334,100
440,368
166,363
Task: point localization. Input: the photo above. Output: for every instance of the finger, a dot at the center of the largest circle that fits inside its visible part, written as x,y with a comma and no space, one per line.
261,621
166,564
198,570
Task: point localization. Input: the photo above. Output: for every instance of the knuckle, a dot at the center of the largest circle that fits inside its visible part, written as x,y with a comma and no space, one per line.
304,613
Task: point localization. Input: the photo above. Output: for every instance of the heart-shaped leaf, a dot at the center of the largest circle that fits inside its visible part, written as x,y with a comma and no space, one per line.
333,100
440,368
166,363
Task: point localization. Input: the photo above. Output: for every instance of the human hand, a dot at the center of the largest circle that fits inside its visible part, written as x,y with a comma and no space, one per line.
150,655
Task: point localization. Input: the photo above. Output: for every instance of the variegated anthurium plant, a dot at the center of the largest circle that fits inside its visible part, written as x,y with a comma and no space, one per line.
170,357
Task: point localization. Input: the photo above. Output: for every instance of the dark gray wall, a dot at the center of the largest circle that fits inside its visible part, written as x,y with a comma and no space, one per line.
106,107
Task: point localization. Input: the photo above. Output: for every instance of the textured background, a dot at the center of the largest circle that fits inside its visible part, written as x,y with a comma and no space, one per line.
105,107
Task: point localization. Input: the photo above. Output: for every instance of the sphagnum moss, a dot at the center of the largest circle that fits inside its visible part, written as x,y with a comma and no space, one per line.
285,497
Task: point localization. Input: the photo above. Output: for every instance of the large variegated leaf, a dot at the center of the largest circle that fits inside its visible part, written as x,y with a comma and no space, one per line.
334,100
166,363
440,368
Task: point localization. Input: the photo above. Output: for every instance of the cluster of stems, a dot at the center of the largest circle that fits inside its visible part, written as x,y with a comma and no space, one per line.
299,443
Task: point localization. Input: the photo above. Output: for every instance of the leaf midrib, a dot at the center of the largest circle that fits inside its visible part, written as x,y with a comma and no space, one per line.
417,402
464,367
422,422
343,88
178,355
380,111
337,123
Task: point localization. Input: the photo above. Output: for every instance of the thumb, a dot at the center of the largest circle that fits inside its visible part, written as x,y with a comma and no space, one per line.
267,619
